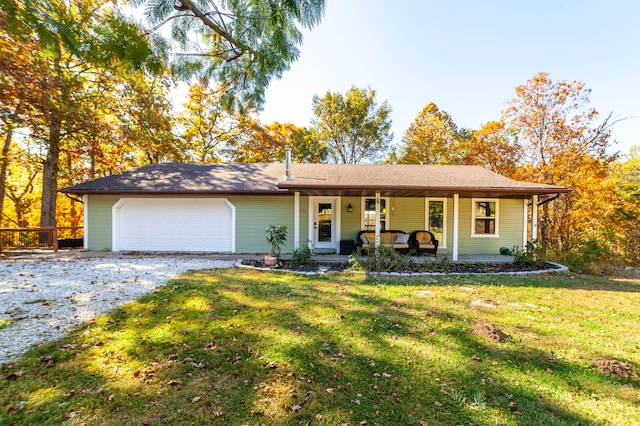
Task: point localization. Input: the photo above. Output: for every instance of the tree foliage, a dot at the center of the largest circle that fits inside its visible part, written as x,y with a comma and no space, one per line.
563,142
352,126
432,138
241,45
495,148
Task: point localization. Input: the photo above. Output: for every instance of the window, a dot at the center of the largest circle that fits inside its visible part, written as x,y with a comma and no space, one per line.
484,218
369,214
436,219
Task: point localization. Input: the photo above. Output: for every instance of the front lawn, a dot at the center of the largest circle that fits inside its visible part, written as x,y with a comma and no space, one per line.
234,347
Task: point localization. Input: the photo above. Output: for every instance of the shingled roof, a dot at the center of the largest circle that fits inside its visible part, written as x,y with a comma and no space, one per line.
314,179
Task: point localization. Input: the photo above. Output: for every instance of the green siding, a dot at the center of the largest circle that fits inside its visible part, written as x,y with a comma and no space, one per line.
99,223
255,212
350,223
510,228
407,214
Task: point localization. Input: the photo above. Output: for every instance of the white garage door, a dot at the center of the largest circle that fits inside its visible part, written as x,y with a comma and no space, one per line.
174,224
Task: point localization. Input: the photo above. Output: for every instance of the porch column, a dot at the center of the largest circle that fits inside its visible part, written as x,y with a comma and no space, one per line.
454,249
85,237
525,230
534,218
296,220
377,219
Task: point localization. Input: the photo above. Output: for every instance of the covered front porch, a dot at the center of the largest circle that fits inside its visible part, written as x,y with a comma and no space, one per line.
467,226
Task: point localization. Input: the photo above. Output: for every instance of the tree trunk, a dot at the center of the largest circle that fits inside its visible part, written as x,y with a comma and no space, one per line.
50,168
4,164
50,176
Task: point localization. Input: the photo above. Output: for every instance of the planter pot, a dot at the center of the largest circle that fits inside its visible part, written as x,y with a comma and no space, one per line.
270,260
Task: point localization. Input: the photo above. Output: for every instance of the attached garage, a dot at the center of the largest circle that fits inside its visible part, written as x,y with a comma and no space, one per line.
174,224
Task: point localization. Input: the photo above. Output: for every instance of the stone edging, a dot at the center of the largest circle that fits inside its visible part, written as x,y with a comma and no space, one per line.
559,268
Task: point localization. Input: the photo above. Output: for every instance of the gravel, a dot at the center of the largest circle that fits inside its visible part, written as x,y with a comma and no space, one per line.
42,297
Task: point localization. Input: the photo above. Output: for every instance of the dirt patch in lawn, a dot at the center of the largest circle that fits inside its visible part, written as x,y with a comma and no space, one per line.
488,330
612,367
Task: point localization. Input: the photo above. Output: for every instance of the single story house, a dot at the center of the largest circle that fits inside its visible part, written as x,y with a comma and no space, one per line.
225,208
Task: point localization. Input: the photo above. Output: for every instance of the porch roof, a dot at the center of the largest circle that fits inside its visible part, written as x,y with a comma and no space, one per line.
409,180
397,180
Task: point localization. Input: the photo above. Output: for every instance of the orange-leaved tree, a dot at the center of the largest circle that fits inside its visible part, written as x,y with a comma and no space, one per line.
564,142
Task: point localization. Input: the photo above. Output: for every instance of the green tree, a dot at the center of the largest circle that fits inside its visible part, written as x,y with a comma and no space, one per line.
432,138
241,45
352,126
145,121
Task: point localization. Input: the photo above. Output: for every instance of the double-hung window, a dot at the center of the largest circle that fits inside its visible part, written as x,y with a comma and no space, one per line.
369,214
484,217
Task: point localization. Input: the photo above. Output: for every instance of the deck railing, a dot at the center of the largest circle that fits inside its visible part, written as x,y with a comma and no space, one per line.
46,238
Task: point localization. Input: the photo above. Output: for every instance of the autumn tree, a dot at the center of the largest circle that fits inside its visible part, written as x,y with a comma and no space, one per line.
493,147
432,138
352,126
20,88
205,126
257,142
145,121
624,229
239,45
75,39
563,142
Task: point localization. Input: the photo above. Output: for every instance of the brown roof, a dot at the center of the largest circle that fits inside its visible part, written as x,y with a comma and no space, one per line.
314,179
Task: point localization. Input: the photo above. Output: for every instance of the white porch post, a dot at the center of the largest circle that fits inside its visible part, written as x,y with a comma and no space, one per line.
456,208
525,231
85,237
377,220
296,220
534,219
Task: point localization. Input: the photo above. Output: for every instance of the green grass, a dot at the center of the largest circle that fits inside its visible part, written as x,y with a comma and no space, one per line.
235,347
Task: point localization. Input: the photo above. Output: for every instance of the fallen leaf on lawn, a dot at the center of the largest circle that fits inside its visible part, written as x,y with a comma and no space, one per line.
386,375
14,376
356,401
330,391
337,375
438,404
174,382
364,422
196,399
318,417
217,414
296,407
136,373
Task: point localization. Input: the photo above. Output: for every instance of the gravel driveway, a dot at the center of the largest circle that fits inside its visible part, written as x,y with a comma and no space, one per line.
42,297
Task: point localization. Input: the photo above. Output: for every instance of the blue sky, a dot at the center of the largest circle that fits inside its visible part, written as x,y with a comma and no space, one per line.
467,57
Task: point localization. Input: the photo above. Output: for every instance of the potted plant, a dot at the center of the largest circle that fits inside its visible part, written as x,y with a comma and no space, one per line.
276,235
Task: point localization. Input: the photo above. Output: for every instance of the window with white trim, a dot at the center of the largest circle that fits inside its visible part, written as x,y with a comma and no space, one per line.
369,214
436,219
484,217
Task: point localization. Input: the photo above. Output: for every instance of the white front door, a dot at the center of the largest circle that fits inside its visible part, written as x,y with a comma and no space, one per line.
324,223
